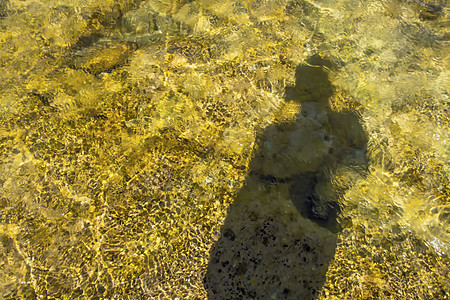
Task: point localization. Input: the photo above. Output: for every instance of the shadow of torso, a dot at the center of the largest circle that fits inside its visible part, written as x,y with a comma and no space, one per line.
280,233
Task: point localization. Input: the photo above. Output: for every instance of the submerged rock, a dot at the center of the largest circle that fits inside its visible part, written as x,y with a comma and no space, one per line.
433,6
3,8
102,56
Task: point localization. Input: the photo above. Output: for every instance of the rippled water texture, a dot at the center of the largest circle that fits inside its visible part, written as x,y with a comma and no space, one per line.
260,149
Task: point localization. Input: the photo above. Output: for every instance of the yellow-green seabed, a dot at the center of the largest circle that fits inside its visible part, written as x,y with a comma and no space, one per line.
265,149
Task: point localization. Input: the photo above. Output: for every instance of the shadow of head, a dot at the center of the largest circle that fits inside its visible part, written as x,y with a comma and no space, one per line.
280,233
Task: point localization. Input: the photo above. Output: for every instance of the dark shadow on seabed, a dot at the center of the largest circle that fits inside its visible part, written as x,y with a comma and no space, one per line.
280,233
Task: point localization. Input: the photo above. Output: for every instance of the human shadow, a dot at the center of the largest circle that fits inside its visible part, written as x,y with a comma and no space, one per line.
280,233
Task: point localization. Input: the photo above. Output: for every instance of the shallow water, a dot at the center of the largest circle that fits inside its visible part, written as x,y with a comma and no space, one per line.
224,149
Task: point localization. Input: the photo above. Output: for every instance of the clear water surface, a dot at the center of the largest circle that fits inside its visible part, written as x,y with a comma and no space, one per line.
206,149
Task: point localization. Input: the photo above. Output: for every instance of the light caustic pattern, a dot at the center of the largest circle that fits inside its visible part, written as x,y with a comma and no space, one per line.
128,128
